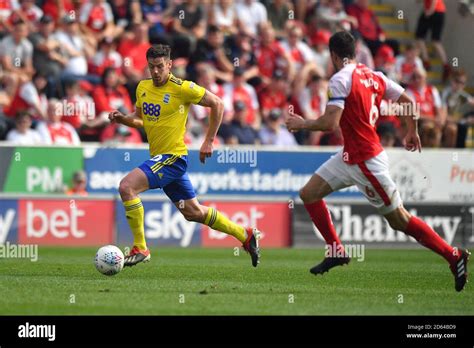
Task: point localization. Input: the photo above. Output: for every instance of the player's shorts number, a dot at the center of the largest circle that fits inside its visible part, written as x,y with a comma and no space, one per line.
151,109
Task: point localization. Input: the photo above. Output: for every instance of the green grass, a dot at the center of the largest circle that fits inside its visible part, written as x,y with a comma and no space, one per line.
214,281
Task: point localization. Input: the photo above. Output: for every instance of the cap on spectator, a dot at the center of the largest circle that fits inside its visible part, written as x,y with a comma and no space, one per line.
239,105
278,74
69,19
46,19
79,176
321,37
386,54
239,71
274,114
86,86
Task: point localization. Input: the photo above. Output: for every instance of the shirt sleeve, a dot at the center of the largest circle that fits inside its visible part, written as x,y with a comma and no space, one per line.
393,90
29,94
338,90
192,92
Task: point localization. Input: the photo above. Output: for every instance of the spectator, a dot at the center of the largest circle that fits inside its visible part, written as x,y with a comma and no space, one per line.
363,54
459,105
271,56
79,184
77,49
30,97
16,52
432,115
29,13
239,90
48,55
23,134
238,131
57,9
211,50
369,26
132,51
97,20
116,134
157,14
333,13
274,131
278,15
251,15
206,78
55,131
275,95
242,55
432,19
407,63
124,14
300,53
106,57
385,61
321,55
189,25
224,16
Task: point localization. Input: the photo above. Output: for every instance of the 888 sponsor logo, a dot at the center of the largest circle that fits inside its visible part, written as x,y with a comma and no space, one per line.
150,109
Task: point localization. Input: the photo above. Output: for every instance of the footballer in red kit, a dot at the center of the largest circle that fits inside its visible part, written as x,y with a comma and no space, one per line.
355,94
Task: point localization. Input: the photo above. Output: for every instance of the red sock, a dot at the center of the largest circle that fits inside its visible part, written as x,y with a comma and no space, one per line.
427,237
322,219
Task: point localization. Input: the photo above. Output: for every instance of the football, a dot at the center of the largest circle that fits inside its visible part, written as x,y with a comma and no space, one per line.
109,260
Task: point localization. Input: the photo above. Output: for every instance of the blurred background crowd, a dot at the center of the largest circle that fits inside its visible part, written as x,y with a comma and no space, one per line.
65,64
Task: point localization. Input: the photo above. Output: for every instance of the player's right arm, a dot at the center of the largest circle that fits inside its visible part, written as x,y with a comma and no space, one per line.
133,120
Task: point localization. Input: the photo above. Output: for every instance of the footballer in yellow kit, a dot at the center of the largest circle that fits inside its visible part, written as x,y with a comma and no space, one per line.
162,109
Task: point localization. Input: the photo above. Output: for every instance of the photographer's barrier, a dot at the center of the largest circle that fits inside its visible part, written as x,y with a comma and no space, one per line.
435,175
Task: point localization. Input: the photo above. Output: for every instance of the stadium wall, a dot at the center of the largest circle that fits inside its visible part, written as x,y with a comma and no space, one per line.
259,190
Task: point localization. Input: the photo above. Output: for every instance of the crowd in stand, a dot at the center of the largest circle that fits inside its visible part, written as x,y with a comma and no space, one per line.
65,64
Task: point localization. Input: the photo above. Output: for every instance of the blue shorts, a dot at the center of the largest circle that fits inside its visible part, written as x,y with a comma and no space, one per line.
169,173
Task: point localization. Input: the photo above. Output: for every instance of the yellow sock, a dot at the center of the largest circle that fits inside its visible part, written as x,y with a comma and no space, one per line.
219,222
135,216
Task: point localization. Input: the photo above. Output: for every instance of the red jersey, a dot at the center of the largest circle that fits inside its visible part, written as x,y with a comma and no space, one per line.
268,58
359,91
439,7
427,99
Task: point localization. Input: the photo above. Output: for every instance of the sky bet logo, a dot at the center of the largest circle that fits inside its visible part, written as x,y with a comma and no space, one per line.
37,331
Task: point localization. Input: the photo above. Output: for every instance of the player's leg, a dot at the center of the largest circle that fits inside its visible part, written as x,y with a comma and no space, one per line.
130,186
330,177
401,220
183,196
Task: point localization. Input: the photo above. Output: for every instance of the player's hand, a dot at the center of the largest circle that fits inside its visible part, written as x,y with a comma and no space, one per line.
295,123
412,142
115,116
205,151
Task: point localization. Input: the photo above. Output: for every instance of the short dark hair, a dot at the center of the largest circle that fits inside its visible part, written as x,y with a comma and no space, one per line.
342,44
157,51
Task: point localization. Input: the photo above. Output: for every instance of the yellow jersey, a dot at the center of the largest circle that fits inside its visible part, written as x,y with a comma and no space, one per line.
165,111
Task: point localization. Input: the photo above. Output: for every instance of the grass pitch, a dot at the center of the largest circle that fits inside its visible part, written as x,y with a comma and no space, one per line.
215,282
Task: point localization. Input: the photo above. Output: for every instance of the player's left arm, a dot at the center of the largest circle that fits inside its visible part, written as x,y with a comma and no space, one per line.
212,101
328,122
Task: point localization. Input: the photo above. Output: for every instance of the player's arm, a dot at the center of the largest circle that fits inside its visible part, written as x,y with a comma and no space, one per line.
410,118
328,122
215,118
133,120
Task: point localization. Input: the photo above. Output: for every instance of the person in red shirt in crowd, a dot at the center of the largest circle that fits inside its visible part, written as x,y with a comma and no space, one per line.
300,53
134,61
55,131
275,95
30,97
433,123
106,57
57,9
109,96
385,61
97,20
239,90
407,63
369,26
432,19
29,13
271,56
